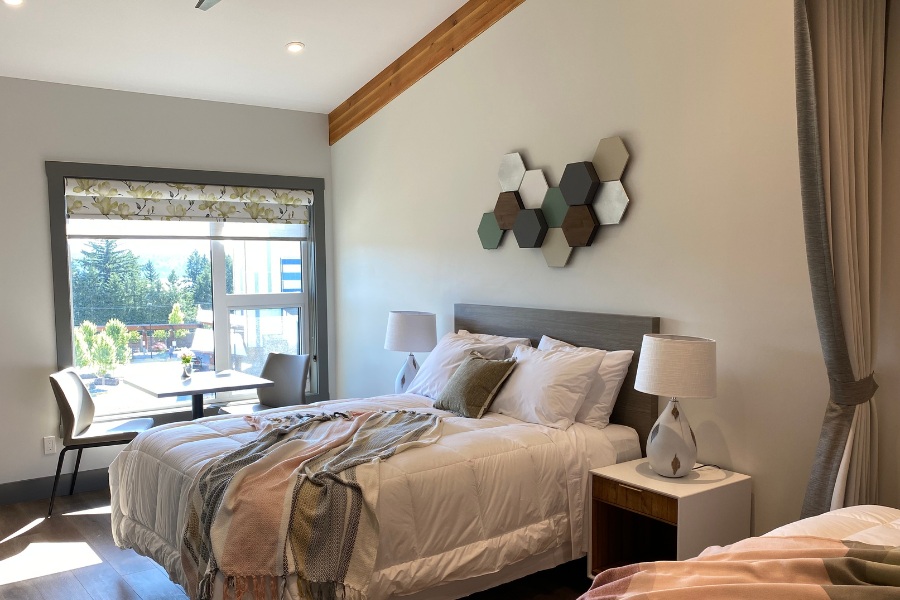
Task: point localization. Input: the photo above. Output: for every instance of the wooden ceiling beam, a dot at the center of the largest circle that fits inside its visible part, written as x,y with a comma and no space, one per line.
463,26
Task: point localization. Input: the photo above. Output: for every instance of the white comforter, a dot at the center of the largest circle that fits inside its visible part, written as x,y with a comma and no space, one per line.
491,492
869,524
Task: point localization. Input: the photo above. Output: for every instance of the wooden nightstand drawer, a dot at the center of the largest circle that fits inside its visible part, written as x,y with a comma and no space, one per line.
640,516
631,498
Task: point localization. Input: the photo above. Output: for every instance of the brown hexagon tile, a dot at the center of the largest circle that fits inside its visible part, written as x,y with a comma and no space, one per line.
580,225
507,208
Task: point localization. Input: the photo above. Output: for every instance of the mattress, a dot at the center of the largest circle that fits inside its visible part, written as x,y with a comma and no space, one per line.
491,494
869,524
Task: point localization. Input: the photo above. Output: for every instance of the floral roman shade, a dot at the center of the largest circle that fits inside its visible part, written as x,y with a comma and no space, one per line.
106,199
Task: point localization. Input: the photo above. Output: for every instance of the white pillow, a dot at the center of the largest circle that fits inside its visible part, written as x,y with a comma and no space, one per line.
446,357
549,387
499,340
601,397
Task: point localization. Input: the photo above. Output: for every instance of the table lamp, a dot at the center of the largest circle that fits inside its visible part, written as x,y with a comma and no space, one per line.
675,366
410,331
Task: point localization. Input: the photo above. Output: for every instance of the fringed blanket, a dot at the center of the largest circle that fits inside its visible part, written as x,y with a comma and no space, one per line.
298,500
799,568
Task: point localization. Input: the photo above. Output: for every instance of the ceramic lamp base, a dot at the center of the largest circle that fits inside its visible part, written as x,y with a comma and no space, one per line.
672,447
406,374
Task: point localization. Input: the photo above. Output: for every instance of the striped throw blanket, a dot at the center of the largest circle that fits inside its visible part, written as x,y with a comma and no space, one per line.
298,500
765,568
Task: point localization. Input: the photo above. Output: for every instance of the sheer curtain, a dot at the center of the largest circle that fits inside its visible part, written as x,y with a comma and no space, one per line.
839,53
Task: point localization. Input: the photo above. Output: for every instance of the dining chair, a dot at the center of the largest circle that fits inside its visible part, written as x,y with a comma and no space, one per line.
289,373
76,409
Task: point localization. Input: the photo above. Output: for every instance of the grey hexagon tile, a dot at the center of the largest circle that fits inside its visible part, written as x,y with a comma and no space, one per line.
534,187
611,203
610,159
554,207
579,183
489,232
530,228
556,249
512,170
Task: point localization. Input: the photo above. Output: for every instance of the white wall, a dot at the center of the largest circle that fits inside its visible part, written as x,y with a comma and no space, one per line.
702,91
41,121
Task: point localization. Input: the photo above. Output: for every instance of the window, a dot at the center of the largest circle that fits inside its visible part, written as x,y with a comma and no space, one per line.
144,271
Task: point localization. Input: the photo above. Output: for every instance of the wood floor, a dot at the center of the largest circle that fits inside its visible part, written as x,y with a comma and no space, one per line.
72,557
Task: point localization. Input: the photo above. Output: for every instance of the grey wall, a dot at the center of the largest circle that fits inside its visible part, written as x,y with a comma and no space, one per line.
41,121
703,93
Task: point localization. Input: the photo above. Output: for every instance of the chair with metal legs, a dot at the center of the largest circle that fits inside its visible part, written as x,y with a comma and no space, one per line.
289,372
76,408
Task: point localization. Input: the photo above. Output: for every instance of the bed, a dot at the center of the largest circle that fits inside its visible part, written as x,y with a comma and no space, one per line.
492,500
848,553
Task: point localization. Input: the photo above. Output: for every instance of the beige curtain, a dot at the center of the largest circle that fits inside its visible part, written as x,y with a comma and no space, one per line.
846,44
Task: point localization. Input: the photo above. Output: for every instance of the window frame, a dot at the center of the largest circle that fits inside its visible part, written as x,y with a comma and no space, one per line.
317,309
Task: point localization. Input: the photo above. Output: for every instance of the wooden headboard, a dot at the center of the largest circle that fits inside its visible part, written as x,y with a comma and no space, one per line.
597,330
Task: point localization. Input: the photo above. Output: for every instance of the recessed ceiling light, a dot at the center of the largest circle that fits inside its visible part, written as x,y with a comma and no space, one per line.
292,47
13,2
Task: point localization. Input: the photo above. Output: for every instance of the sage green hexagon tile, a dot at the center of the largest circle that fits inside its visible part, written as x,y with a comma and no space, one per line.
556,249
554,207
489,232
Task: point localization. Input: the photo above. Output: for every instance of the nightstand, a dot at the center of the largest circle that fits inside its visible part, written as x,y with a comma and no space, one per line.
639,516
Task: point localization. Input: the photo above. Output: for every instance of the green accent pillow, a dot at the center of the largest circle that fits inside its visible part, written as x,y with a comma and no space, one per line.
474,385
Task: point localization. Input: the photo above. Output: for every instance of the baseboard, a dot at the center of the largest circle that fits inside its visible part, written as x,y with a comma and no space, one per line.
40,488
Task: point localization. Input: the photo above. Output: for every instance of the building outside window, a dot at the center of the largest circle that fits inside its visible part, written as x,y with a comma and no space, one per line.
152,267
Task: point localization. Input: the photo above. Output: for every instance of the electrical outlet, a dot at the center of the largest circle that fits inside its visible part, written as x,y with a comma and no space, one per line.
49,445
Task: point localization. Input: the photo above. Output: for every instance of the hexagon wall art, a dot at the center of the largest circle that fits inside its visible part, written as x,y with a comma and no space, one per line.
554,207
579,183
489,232
580,226
534,187
556,249
530,228
611,203
512,170
590,194
610,159
507,208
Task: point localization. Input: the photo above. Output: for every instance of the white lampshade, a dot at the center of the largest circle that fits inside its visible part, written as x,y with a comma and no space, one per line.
411,331
676,366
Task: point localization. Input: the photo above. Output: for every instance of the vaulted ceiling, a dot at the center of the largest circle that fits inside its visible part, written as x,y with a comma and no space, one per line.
234,52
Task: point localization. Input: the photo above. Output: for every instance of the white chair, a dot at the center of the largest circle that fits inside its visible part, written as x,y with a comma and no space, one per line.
76,408
289,373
